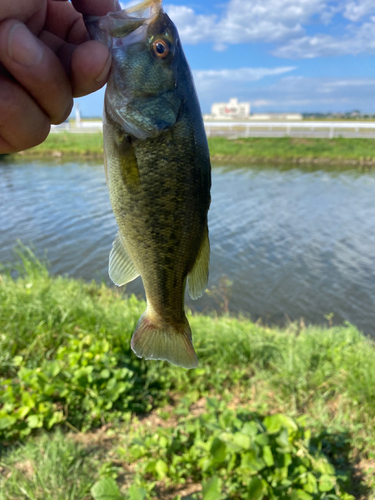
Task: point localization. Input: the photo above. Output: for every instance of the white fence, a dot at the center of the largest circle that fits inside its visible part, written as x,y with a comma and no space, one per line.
83,126
233,129
298,129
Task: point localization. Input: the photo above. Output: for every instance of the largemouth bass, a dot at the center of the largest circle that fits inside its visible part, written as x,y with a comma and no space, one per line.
158,174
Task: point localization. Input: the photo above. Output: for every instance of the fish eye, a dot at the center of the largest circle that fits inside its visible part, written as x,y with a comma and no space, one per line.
161,48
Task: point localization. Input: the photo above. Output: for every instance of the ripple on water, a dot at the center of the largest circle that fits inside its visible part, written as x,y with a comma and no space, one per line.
296,243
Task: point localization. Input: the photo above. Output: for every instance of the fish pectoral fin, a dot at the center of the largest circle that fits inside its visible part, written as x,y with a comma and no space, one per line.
198,276
172,343
121,267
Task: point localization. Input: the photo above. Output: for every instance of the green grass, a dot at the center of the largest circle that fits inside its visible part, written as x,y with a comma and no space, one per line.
65,363
291,149
69,144
51,467
283,149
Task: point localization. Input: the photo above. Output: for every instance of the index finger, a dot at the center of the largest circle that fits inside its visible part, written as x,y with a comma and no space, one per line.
96,7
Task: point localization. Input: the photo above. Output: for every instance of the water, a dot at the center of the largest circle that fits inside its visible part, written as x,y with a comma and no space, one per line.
296,243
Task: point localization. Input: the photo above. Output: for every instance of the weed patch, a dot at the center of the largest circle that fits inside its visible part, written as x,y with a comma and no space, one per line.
290,412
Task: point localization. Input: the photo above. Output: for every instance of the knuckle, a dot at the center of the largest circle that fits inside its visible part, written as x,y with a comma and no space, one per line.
22,124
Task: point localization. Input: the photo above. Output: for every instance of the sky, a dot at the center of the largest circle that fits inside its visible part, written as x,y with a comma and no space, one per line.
279,55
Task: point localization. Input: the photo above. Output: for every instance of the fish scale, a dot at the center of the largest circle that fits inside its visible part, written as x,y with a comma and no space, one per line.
158,174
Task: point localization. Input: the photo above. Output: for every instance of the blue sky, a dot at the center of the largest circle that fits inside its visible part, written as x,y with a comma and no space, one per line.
281,55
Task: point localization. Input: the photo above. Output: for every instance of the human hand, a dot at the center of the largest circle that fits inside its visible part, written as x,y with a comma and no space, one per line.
46,59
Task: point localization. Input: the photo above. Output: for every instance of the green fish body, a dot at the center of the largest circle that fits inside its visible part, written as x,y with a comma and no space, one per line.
158,174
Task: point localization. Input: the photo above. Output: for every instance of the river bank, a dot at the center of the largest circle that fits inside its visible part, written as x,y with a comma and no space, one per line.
65,363
243,150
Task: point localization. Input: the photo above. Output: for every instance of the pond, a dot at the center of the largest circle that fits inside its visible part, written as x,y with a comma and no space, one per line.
286,243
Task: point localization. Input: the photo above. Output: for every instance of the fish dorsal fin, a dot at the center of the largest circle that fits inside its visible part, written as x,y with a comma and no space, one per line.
198,276
121,268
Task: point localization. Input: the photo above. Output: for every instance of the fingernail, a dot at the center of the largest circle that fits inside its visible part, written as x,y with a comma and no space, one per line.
23,47
103,75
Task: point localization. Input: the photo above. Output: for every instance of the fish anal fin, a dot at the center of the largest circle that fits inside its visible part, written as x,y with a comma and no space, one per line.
152,340
198,276
121,267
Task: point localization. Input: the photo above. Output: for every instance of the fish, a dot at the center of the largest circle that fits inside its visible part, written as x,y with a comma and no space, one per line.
158,173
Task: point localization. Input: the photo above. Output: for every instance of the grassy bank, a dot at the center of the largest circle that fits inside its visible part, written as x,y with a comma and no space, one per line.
279,150
287,149
269,414
81,145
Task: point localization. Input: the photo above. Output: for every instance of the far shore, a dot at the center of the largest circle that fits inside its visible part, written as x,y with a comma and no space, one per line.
338,151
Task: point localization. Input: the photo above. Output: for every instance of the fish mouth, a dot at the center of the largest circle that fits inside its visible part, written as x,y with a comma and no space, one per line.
121,23
141,8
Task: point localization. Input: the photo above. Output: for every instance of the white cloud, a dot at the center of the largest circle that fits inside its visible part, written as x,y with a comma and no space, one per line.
192,28
308,47
355,10
326,85
261,103
220,85
357,84
284,22
295,93
242,22
301,93
268,20
207,80
329,12
355,41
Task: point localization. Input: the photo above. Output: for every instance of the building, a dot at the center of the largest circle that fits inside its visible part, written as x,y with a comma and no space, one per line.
232,109
241,111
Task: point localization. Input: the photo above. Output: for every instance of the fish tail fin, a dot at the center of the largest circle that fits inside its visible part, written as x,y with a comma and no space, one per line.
164,342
